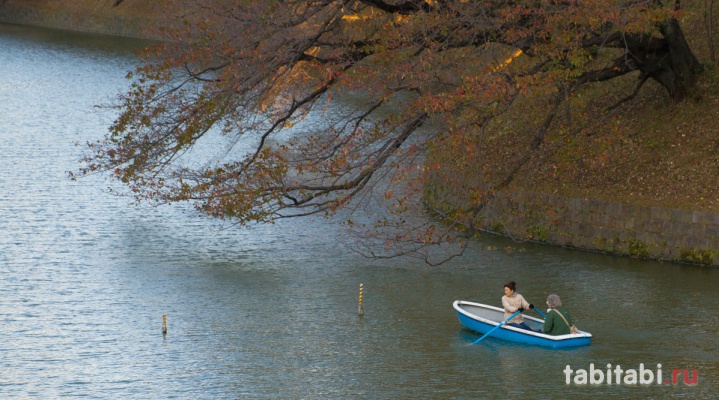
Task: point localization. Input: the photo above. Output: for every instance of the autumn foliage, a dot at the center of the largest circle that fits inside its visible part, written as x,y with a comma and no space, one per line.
326,106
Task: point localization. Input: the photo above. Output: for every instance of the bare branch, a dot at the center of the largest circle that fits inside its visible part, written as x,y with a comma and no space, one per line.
408,7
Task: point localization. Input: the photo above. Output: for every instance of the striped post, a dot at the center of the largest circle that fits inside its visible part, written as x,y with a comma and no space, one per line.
361,310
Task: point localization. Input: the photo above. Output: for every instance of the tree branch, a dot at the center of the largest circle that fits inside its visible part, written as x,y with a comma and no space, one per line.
408,7
642,80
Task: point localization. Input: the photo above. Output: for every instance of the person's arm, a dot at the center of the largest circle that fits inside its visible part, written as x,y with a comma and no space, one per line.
525,303
507,306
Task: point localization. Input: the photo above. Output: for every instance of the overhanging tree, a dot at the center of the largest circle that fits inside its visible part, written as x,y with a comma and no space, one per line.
330,104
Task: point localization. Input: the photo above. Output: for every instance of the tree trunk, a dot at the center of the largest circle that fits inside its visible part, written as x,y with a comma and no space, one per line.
673,65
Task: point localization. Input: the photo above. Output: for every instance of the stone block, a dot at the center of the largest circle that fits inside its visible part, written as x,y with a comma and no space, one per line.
705,218
653,226
686,242
586,229
573,215
695,243
585,242
651,240
644,213
712,232
630,210
675,228
575,203
613,208
553,237
699,230
683,216
641,236
628,223
617,222
661,213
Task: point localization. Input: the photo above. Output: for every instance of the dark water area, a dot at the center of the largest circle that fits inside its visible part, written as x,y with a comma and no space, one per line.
271,311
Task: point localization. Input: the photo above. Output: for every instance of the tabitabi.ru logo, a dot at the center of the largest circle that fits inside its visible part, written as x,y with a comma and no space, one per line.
618,376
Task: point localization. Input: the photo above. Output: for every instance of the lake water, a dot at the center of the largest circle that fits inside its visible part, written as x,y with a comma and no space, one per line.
271,311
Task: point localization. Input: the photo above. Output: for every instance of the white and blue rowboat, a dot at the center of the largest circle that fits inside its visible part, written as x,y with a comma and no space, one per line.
482,318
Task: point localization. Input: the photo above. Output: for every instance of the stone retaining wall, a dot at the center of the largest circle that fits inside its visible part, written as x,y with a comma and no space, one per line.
610,227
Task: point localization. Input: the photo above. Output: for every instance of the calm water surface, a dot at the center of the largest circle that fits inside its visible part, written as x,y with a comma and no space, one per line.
270,312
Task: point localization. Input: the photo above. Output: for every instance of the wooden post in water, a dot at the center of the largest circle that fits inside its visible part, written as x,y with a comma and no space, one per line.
164,325
361,310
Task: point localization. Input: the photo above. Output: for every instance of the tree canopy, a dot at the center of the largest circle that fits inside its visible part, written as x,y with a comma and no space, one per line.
331,104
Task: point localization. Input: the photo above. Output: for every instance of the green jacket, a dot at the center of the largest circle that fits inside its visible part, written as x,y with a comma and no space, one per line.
555,325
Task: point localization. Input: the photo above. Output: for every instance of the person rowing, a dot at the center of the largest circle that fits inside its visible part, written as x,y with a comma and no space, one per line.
513,302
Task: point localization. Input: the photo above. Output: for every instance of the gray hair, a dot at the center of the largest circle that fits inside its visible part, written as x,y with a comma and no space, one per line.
553,301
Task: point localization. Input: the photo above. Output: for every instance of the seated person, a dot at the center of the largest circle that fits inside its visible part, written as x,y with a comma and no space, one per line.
513,302
558,319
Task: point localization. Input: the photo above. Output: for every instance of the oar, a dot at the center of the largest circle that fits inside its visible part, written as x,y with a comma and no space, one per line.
496,327
540,313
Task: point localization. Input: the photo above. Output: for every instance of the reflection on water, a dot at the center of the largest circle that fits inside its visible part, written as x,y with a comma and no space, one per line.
270,312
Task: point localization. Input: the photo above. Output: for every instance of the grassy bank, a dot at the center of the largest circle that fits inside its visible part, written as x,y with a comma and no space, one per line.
648,151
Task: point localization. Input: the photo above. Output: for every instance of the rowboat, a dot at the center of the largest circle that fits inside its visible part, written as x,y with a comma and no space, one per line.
482,318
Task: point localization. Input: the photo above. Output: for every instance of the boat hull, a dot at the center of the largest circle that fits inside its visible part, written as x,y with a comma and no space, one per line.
481,318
